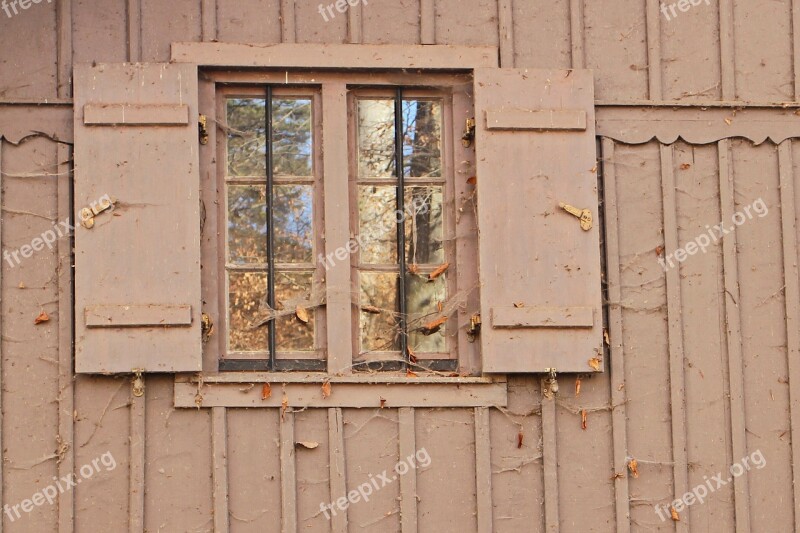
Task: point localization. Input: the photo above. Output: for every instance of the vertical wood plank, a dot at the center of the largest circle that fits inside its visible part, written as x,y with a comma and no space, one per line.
137,462
550,462
337,468
208,12
675,329
654,51
66,398
134,30
726,45
355,29
576,26
288,474
219,458
617,359
337,225
427,21
741,491
796,50
288,26
64,22
792,284
408,482
2,447
505,23
483,469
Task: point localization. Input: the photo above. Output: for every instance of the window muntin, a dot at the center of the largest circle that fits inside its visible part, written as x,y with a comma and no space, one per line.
271,228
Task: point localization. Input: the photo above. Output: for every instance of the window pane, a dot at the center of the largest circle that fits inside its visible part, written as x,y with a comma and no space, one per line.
375,138
247,138
247,293
293,289
247,224
422,138
378,302
293,219
423,225
424,298
291,136
377,224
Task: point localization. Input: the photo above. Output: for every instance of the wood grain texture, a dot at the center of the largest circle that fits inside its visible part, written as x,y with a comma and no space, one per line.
355,18
577,33
505,29
654,51
427,16
64,28
137,461
338,483
483,469
408,482
288,22
134,12
727,53
552,516
288,474
219,462
208,24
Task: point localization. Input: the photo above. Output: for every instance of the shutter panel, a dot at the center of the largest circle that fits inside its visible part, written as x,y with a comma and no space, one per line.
539,269
137,269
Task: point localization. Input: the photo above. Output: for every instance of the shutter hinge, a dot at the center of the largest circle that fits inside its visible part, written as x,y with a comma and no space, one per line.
469,132
474,327
87,214
137,383
206,327
202,124
584,215
551,383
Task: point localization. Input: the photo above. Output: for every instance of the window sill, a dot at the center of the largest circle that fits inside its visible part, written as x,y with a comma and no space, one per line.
301,390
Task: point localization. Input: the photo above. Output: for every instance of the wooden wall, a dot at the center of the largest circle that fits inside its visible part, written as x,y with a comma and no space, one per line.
703,360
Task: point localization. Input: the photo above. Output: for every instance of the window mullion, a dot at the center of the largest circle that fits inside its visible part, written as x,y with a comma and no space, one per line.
270,226
401,234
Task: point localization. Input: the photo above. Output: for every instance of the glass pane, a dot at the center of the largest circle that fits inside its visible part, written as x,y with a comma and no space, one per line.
423,225
247,224
378,316
293,220
423,300
422,138
293,335
375,138
292,136
377,224
247,293
247,138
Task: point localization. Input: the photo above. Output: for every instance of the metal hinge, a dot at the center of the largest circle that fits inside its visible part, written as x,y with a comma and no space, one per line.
469,132
137,383
202,123
551,383
474,327
87,214
207,327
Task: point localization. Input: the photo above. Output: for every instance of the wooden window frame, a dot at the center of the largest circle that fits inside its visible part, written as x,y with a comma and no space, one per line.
378,65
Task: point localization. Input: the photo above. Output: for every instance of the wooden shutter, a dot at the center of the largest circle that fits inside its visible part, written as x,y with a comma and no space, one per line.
539,269
137,269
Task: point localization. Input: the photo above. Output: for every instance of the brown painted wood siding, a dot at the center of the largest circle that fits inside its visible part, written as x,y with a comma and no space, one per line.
682,413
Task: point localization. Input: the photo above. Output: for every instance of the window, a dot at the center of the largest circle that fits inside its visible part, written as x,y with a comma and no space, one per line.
272,250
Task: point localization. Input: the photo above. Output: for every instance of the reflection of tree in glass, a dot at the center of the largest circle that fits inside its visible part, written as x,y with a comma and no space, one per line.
247,140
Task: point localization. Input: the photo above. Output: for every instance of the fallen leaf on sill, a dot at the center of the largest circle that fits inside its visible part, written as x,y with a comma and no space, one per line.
439,306
520,438
21,285
728,121
583,419
383,403
438,272
473,180
326,389
577,387
43,317
633,466
606,337
594,362
411,356
686,166
432,327
302,314
411,374
594,169
659,250
519,305
266,391
674,514
371,309
307,445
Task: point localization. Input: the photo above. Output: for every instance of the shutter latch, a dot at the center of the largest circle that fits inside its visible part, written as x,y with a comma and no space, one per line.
206,327
551,383
474,327
138,383
87,214
469,132
584,215
202,124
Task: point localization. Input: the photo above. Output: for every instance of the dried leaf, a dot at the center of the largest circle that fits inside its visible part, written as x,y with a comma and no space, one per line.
301,313
577,386
371,309
21,285
439,271
674,514
411,374
473,180
309,445
284,406
439,306
520,438
266,391
606,338
326,389
659,250
728,121
383,403
686,166
43,317
519,305
432,327
594,169
633,466
594,362
411,356
413,268
583,419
